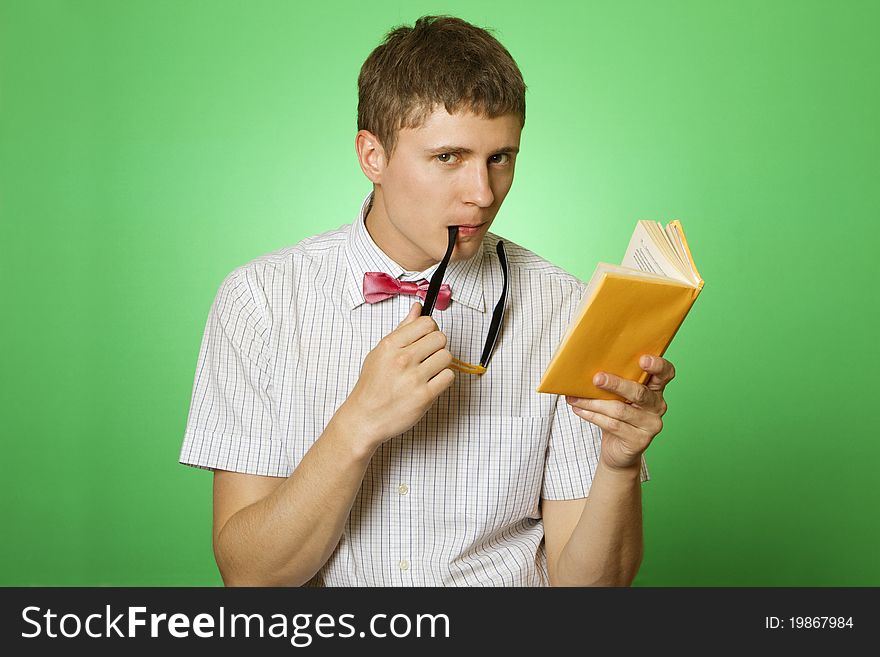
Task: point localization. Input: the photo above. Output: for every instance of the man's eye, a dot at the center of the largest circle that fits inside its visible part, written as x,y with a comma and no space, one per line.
447,158
500,158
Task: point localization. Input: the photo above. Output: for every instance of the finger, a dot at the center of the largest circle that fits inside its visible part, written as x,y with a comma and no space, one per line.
636,436
610,407
631,414
436,362
660,369
439,383
630,390
414,312
426,345
407,333
635,440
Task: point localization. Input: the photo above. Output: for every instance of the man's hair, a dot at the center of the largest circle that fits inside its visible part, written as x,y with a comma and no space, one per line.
439,61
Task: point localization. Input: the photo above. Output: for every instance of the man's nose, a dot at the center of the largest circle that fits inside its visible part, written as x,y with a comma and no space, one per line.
479,191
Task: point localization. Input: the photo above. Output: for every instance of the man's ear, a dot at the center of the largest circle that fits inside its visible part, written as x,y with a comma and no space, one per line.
371,155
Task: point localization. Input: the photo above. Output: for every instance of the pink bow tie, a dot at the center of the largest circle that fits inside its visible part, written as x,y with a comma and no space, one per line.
379,286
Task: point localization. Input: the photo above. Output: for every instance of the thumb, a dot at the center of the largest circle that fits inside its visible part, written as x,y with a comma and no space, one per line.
414,313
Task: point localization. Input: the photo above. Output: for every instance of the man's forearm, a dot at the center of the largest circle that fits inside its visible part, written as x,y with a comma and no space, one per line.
285,538
605,548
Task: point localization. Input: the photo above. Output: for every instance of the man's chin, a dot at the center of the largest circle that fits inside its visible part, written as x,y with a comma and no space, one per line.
466,250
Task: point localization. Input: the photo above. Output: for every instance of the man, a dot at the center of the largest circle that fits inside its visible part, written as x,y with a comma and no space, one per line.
349,445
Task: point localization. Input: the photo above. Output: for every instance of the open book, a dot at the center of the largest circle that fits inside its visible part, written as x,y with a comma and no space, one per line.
626,311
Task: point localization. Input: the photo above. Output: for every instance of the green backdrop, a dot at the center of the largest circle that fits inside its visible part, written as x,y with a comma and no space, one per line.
148,148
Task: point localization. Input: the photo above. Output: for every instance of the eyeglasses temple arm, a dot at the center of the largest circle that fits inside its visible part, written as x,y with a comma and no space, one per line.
437,278
498,313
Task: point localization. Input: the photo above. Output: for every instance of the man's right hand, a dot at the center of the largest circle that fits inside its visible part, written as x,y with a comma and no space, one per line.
400,378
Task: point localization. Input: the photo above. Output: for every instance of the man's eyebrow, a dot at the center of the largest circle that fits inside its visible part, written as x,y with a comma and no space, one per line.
469,151
449,149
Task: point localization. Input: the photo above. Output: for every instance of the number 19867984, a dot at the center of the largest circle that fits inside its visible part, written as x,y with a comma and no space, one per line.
808,622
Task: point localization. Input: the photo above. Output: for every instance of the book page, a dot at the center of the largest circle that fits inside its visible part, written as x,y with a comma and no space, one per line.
676,236
666,246
672,236
644,254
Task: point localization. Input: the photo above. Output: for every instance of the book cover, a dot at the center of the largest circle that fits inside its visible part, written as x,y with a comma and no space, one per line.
626,312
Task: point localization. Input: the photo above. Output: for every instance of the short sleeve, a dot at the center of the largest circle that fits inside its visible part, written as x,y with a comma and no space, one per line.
573,455
233,415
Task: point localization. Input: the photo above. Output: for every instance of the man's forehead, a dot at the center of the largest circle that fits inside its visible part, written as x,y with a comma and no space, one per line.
465,128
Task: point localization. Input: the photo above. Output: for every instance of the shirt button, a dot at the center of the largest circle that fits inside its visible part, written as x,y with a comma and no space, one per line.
404,564
403,489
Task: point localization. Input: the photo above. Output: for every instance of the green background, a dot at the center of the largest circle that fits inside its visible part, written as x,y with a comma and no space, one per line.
148,148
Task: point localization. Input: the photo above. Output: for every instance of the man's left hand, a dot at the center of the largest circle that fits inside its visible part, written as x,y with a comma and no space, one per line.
627,429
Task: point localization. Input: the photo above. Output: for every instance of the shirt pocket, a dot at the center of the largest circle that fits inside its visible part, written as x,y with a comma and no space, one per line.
499,468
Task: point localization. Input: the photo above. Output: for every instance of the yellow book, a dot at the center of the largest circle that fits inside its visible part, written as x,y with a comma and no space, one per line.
626,311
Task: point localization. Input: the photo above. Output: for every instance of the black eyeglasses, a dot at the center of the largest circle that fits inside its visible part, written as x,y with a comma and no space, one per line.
497,314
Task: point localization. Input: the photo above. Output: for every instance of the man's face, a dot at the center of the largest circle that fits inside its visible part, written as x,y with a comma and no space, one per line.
454,170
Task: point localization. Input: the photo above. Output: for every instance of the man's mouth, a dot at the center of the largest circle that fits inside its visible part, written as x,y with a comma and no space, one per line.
469,229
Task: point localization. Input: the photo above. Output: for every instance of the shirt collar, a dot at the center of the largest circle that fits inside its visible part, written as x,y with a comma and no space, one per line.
363,254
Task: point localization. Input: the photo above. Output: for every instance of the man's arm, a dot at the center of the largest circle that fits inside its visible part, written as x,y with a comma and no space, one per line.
597,540
271,531
279,532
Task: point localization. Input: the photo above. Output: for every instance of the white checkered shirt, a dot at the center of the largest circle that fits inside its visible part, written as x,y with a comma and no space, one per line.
455,500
